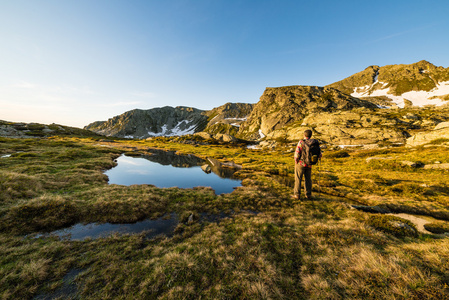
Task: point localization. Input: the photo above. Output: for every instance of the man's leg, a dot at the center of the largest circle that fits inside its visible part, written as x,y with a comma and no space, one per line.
298,177
307,181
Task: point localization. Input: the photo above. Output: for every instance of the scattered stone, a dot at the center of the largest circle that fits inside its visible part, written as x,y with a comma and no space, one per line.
204,135
412,164
437,166
227,138
378,158
190,219
206,168
411,116
441,131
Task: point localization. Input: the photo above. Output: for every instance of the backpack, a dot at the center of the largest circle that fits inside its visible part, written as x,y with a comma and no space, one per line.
310,152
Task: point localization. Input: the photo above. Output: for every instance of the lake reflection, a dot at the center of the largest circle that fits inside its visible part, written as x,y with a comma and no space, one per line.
169,170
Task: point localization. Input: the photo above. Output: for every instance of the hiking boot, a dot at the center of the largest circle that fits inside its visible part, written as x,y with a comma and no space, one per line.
309,197
296,197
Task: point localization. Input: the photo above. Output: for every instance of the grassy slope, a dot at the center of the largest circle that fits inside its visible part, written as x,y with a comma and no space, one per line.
319,249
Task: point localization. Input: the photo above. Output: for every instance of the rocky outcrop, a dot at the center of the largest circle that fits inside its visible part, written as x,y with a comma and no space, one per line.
285,106
164,121
30,130
441,131
356,127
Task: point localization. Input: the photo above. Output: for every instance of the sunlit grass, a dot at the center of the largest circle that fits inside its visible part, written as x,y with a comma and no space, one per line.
268,247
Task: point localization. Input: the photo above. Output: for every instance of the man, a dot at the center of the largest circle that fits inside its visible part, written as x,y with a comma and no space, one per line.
303,166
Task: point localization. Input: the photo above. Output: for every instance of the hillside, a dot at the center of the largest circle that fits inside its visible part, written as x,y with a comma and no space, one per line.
348,112
226,119
163,121
416,84
33,130
283,106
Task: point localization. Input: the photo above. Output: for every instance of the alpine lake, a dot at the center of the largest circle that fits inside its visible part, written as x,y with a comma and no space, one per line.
163,169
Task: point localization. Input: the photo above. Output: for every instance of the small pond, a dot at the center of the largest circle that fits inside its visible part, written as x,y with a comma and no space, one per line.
163,226
79,232
167,169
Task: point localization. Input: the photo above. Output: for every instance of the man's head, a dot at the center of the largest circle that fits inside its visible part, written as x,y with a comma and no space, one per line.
308,133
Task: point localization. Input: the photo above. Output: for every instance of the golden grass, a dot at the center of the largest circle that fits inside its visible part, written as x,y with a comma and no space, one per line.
290,250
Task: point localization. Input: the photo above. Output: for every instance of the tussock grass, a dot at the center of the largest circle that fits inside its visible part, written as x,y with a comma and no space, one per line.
290,250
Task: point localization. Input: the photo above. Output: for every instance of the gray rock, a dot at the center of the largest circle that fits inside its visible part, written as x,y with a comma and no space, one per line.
190,219
204,135
412,164
206,168
227,138
437,166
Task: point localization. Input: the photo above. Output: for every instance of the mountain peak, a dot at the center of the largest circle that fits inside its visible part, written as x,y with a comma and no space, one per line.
421,83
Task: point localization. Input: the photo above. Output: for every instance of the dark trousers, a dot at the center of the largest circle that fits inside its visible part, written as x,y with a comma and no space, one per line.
299,173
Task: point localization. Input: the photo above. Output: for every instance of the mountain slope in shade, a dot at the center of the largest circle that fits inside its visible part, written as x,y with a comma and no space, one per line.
161,121
416,84
226,119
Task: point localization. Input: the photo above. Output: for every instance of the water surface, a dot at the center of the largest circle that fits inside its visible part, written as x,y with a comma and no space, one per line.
171,170
80,232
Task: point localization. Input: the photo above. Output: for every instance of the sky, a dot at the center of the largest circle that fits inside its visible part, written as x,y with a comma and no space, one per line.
73,62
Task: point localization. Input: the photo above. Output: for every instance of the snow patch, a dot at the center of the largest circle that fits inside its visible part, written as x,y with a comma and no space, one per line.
237,119
175,131
235,125
348,146
261,134
418,98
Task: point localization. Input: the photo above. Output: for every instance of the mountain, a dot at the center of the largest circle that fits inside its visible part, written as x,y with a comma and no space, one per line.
416,84
351,111
226,119
161,121
283,106
35,130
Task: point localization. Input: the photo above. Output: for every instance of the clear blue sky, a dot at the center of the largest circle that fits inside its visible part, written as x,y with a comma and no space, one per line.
73,62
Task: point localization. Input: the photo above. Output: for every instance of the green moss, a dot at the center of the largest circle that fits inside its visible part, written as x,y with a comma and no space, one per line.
394,225
336,154
437,227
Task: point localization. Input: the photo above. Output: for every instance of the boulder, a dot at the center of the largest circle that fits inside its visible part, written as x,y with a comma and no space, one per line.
412,164
227,138
204,135
437,166
206,168
441,131
356,127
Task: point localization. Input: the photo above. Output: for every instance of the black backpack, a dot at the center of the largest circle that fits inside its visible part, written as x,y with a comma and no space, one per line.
310,151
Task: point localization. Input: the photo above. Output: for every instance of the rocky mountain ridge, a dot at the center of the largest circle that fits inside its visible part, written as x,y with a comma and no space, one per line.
161,121
351,111
417,84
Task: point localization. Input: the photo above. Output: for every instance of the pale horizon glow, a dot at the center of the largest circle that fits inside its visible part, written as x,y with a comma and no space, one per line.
76,62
